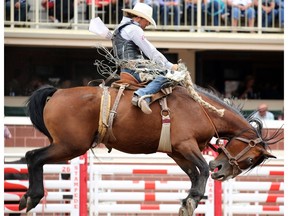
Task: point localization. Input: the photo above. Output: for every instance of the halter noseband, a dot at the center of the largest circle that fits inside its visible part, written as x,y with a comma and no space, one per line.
233,161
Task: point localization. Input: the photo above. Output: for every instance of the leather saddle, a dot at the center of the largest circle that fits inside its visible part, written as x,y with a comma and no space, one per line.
132,84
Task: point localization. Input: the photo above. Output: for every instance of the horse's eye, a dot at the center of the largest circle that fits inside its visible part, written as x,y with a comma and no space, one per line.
250,160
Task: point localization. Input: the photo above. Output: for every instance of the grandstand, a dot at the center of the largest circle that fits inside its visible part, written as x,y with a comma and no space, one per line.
214,55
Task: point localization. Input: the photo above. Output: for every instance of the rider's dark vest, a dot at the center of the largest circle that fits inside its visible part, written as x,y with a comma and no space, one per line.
125,49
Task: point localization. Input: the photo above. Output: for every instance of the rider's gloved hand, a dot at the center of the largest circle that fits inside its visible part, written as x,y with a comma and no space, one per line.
174,67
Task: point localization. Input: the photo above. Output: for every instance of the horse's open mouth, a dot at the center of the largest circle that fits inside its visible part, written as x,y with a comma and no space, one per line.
217,173
218,176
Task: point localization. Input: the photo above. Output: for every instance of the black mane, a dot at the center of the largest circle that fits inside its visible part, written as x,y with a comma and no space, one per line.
215,95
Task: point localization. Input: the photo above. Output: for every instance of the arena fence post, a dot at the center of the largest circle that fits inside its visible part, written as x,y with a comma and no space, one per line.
83,184
217,198
75,186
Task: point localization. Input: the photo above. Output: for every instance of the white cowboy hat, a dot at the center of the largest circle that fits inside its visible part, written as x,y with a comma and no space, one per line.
142,10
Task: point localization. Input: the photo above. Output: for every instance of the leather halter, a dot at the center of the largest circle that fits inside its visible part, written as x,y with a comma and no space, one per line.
233,161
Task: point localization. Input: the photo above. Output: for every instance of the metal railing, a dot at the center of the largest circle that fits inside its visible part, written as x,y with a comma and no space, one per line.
186,16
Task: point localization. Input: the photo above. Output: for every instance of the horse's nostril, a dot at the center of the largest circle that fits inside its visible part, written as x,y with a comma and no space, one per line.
219,167
214,165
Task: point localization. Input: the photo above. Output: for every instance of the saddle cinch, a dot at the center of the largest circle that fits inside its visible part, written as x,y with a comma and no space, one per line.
107,115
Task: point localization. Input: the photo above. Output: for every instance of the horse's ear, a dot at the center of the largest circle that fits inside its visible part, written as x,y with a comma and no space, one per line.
268,155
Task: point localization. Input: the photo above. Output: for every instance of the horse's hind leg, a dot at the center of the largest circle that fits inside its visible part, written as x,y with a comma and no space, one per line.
198,171
36,159
35,191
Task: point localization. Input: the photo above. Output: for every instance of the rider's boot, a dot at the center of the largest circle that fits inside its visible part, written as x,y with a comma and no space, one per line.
142,103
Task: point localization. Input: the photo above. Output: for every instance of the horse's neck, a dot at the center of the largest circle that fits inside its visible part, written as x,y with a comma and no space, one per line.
230,124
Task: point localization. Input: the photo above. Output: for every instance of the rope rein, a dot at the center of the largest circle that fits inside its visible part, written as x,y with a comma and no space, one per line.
188,84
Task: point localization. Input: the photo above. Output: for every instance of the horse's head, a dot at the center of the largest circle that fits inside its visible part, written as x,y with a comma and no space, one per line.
242,152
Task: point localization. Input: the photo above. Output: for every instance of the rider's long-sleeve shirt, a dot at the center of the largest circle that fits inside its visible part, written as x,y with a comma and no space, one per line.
136,34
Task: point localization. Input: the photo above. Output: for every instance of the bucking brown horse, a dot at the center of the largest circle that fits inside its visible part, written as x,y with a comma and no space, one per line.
70,120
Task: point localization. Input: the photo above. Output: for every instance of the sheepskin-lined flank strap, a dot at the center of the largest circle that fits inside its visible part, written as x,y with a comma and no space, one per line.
165,137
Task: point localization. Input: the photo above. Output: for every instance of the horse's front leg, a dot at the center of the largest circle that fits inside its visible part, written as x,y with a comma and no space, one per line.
198,179
198,171
35,190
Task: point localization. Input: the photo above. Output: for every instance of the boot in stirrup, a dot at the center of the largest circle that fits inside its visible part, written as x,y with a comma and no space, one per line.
142,103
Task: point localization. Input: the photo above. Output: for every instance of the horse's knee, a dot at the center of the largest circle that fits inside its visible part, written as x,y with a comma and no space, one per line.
29,156
204,170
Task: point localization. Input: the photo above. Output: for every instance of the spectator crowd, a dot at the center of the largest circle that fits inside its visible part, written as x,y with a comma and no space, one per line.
173,13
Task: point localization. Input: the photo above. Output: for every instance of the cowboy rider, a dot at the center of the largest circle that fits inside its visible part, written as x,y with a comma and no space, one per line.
129,43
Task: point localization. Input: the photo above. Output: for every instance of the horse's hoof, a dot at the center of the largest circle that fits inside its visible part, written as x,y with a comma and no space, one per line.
191,206
22,203
183,211
29,204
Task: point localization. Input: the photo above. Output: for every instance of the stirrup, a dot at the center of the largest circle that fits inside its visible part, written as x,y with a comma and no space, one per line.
134,100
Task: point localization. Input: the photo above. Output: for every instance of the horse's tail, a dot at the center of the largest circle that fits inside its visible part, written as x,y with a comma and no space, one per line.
35,105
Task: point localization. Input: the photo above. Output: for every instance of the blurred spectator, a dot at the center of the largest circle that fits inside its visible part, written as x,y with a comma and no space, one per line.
279,12
263,113
101,9
49,6
64,10
148,2
66,84
59,10
34,84
170,8
13,87
281,115
242,8
21,8
191,10
271,90
7,133
268,12
155,6
217,9
247,90
86,80
118,5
